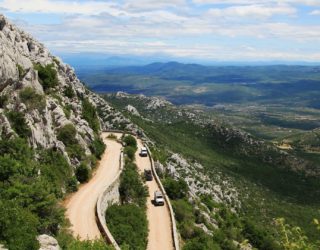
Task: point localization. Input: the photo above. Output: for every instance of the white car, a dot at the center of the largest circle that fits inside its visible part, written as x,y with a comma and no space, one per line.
144,152
158,198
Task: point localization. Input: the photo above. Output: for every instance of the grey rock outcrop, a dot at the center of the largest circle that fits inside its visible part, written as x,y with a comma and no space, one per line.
19,53
48,243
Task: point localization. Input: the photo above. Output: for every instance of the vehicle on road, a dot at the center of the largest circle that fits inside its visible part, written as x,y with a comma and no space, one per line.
148,174
143,152
158,199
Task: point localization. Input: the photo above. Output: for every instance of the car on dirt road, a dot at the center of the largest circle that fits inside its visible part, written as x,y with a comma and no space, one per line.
158,198
143,152
148,174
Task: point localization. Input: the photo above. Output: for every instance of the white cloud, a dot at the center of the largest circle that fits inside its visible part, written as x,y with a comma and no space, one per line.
149,27
315,13
252,11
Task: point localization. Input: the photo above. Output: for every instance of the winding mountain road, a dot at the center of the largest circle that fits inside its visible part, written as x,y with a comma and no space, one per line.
80,206
160,234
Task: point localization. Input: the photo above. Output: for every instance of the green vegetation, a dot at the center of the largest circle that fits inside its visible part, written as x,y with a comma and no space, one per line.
3,101
68,92
32,99
83,173
131,187
21,71
67,110
29,193
128,222
175,189
266,190
129,225
47,76
19,124
90,115
98,147
67,134
130,141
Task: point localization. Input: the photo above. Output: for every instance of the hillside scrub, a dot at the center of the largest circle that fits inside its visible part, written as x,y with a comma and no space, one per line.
83,173
19,124
28,201
90,115
98,147
47,76
128,221
32,99
128,224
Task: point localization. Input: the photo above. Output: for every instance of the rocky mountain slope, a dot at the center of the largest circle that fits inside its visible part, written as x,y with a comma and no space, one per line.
50,126
38,89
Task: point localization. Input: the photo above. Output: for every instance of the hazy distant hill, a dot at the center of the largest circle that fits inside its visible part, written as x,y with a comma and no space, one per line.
210,85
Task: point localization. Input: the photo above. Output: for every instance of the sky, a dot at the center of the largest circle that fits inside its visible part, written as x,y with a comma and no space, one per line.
211,30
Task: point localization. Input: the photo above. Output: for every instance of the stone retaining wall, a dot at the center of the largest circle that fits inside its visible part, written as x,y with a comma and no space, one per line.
108,197
173,221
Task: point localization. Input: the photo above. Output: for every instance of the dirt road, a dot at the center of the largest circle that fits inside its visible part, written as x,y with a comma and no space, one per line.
81,205
160,237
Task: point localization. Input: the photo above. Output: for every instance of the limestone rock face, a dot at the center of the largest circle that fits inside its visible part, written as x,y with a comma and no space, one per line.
45,112
48,243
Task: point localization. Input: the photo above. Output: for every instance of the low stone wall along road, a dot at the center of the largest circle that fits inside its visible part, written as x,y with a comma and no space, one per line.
160,232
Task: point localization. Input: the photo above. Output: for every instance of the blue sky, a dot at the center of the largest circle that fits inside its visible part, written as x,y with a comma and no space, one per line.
211,30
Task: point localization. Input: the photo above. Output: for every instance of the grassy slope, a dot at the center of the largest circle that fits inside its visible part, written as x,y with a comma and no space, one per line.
267,192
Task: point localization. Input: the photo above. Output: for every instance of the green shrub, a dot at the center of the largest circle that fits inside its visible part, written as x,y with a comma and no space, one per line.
19,124
175,189
3,100
21,71
68,92
76,151
88,245
98,147
47,76
131,187
18,227
130,152
28,200
130,141
83,173
32,99
90,115
128,224
67,110
67,134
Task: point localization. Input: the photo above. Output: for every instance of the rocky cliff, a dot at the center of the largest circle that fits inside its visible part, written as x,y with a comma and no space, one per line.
40,95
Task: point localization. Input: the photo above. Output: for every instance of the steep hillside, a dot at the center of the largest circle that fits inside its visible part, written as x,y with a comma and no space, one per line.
50,128
237,184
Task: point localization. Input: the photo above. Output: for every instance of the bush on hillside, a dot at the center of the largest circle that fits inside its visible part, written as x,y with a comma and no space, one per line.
175,189
3,101
128,224
68,92
131,187
19,124
47,76
98,147
83,173
28,201
90,115
130,152
67,134
129,140
32,99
